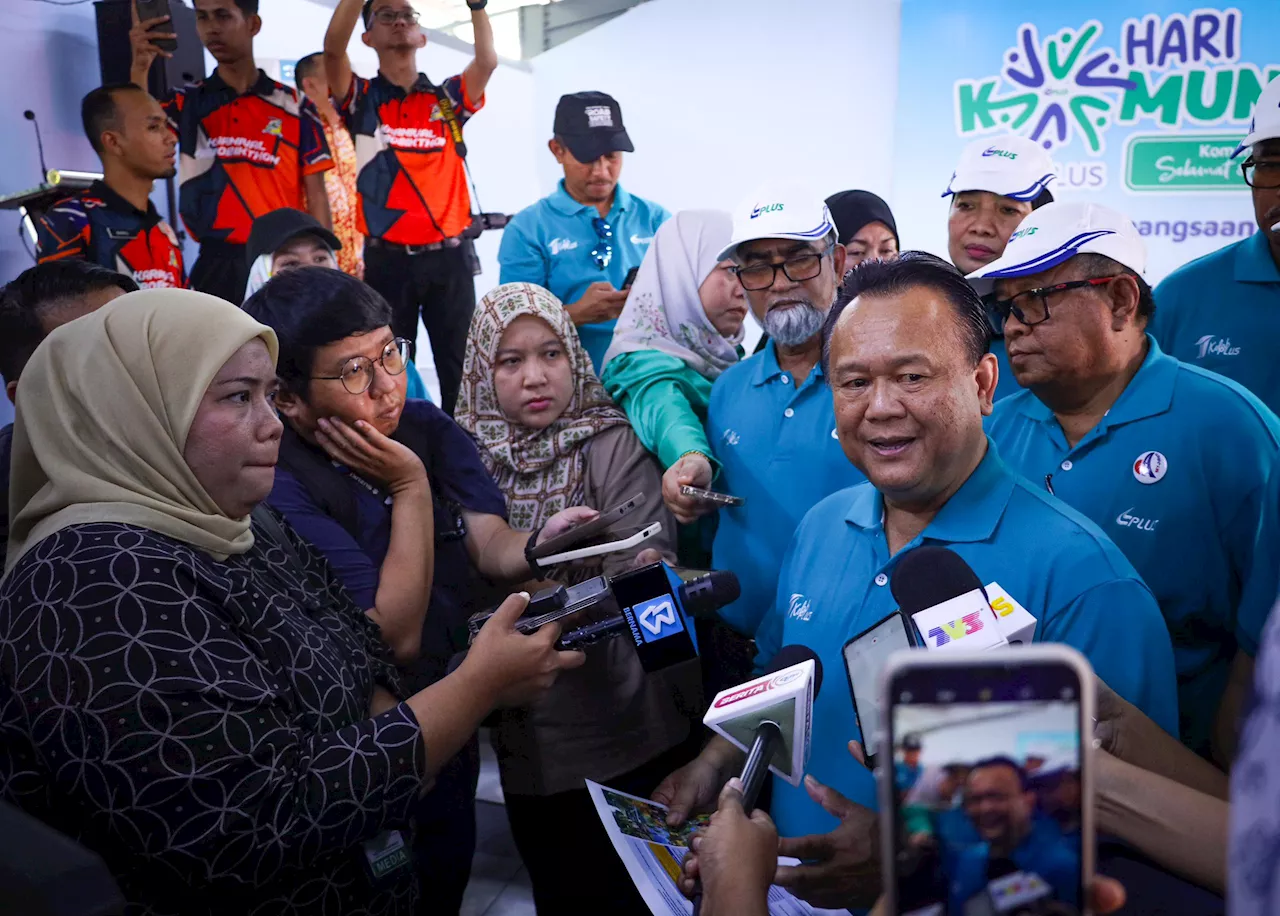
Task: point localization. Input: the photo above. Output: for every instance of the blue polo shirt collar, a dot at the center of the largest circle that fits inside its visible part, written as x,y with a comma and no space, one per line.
971,515
768,370
1149,393
562,203
1254,263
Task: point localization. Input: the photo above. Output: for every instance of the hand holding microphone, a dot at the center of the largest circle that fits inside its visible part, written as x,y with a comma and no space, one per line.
735,856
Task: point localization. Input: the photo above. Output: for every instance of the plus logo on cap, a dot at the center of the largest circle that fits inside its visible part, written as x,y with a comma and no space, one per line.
762,209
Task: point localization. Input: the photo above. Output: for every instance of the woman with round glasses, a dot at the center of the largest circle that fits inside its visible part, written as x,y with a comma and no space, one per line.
185,686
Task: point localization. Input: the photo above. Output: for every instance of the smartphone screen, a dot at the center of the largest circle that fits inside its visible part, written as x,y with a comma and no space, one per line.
987,789
864,659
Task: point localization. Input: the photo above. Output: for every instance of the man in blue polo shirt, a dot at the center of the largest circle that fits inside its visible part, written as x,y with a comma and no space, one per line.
911,380
583,240
1169,460
769,420
1222,311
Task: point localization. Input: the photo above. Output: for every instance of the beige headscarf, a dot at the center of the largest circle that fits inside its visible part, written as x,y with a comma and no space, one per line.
104,408
539,471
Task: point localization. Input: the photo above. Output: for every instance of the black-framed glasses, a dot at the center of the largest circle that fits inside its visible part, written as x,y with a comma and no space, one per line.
1031,306
357,373
602,254
1261,174
797,269
391,17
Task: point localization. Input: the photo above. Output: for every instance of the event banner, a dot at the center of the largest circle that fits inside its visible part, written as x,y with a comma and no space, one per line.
1140,104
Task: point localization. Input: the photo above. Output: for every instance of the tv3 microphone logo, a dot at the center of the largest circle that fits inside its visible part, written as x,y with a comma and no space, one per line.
956,629
657,618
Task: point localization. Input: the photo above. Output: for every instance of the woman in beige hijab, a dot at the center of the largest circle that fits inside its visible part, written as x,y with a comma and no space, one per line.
187,691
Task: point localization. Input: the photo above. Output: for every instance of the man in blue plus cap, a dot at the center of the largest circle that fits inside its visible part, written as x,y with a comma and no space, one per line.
911,381
1168,459
1222,311
582,241
769,420
996,184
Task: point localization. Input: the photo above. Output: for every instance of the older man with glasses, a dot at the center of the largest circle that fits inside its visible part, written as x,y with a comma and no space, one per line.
583,240
770,421
1169,460
1222,311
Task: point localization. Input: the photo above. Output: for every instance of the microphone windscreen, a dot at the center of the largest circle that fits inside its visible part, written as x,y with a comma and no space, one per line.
794,655
929,575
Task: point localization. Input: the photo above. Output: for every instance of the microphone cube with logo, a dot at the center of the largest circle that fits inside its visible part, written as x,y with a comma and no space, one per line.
965,622
784,698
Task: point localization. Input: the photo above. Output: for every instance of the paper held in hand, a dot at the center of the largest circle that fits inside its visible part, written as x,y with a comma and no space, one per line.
653,853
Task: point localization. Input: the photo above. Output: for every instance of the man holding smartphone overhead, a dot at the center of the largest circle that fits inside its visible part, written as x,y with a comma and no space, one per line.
412,182
912,379
248,145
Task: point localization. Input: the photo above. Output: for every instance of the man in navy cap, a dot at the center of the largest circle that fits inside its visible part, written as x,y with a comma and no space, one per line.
582,240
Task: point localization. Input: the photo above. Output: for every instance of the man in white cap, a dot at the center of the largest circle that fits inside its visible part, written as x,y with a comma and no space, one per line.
1222,311
1169,460
997,183
770,421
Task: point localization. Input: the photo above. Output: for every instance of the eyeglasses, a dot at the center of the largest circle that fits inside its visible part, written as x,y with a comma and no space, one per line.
391,17
797,270
357,372
602,254
1260,174
1034,309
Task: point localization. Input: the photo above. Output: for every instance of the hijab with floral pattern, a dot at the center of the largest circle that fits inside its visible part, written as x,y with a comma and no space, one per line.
540,471
664,309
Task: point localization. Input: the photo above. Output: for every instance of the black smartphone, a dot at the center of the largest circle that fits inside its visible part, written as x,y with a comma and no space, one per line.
865,657
573,536
631,277
988,804
154,9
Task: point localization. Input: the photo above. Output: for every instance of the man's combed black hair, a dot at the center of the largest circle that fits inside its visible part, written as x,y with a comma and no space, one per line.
38,291
307,66
366,13
98,111
1002,761
248,7
311,307
911,270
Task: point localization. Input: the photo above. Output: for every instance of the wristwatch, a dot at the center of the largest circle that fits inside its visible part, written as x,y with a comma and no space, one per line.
477,5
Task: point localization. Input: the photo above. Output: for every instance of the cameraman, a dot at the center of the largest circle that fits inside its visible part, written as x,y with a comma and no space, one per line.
414,205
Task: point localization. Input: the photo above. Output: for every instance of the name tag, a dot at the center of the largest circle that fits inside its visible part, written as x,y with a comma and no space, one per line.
384,854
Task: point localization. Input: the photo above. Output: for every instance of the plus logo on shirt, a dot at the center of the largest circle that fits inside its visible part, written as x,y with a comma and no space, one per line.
1209,345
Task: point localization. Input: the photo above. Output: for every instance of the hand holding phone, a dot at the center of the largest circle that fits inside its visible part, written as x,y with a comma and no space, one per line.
988,804
152,29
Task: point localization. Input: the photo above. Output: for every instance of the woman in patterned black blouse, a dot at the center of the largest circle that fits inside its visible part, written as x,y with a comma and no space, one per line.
193,698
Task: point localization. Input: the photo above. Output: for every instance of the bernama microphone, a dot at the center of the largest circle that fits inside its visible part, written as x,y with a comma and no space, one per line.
652,606
950,607
771,718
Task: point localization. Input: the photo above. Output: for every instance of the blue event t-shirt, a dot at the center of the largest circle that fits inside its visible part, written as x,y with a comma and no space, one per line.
549,243
458,481
1049,558
1174,474
777,447
1222,312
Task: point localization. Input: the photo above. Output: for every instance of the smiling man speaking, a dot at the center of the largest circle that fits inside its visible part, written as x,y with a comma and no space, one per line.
911,380
1168,459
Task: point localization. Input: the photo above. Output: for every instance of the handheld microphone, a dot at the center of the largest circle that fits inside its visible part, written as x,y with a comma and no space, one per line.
945,599
770,711
31,116
770,718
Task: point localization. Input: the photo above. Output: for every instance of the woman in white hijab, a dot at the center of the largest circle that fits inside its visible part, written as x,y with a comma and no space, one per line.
681,328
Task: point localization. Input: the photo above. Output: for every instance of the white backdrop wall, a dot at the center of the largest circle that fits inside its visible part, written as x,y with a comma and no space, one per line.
721,95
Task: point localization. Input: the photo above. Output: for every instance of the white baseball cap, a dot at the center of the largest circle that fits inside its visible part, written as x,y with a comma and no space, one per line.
1007,165
1062,230
780,213
1265,124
